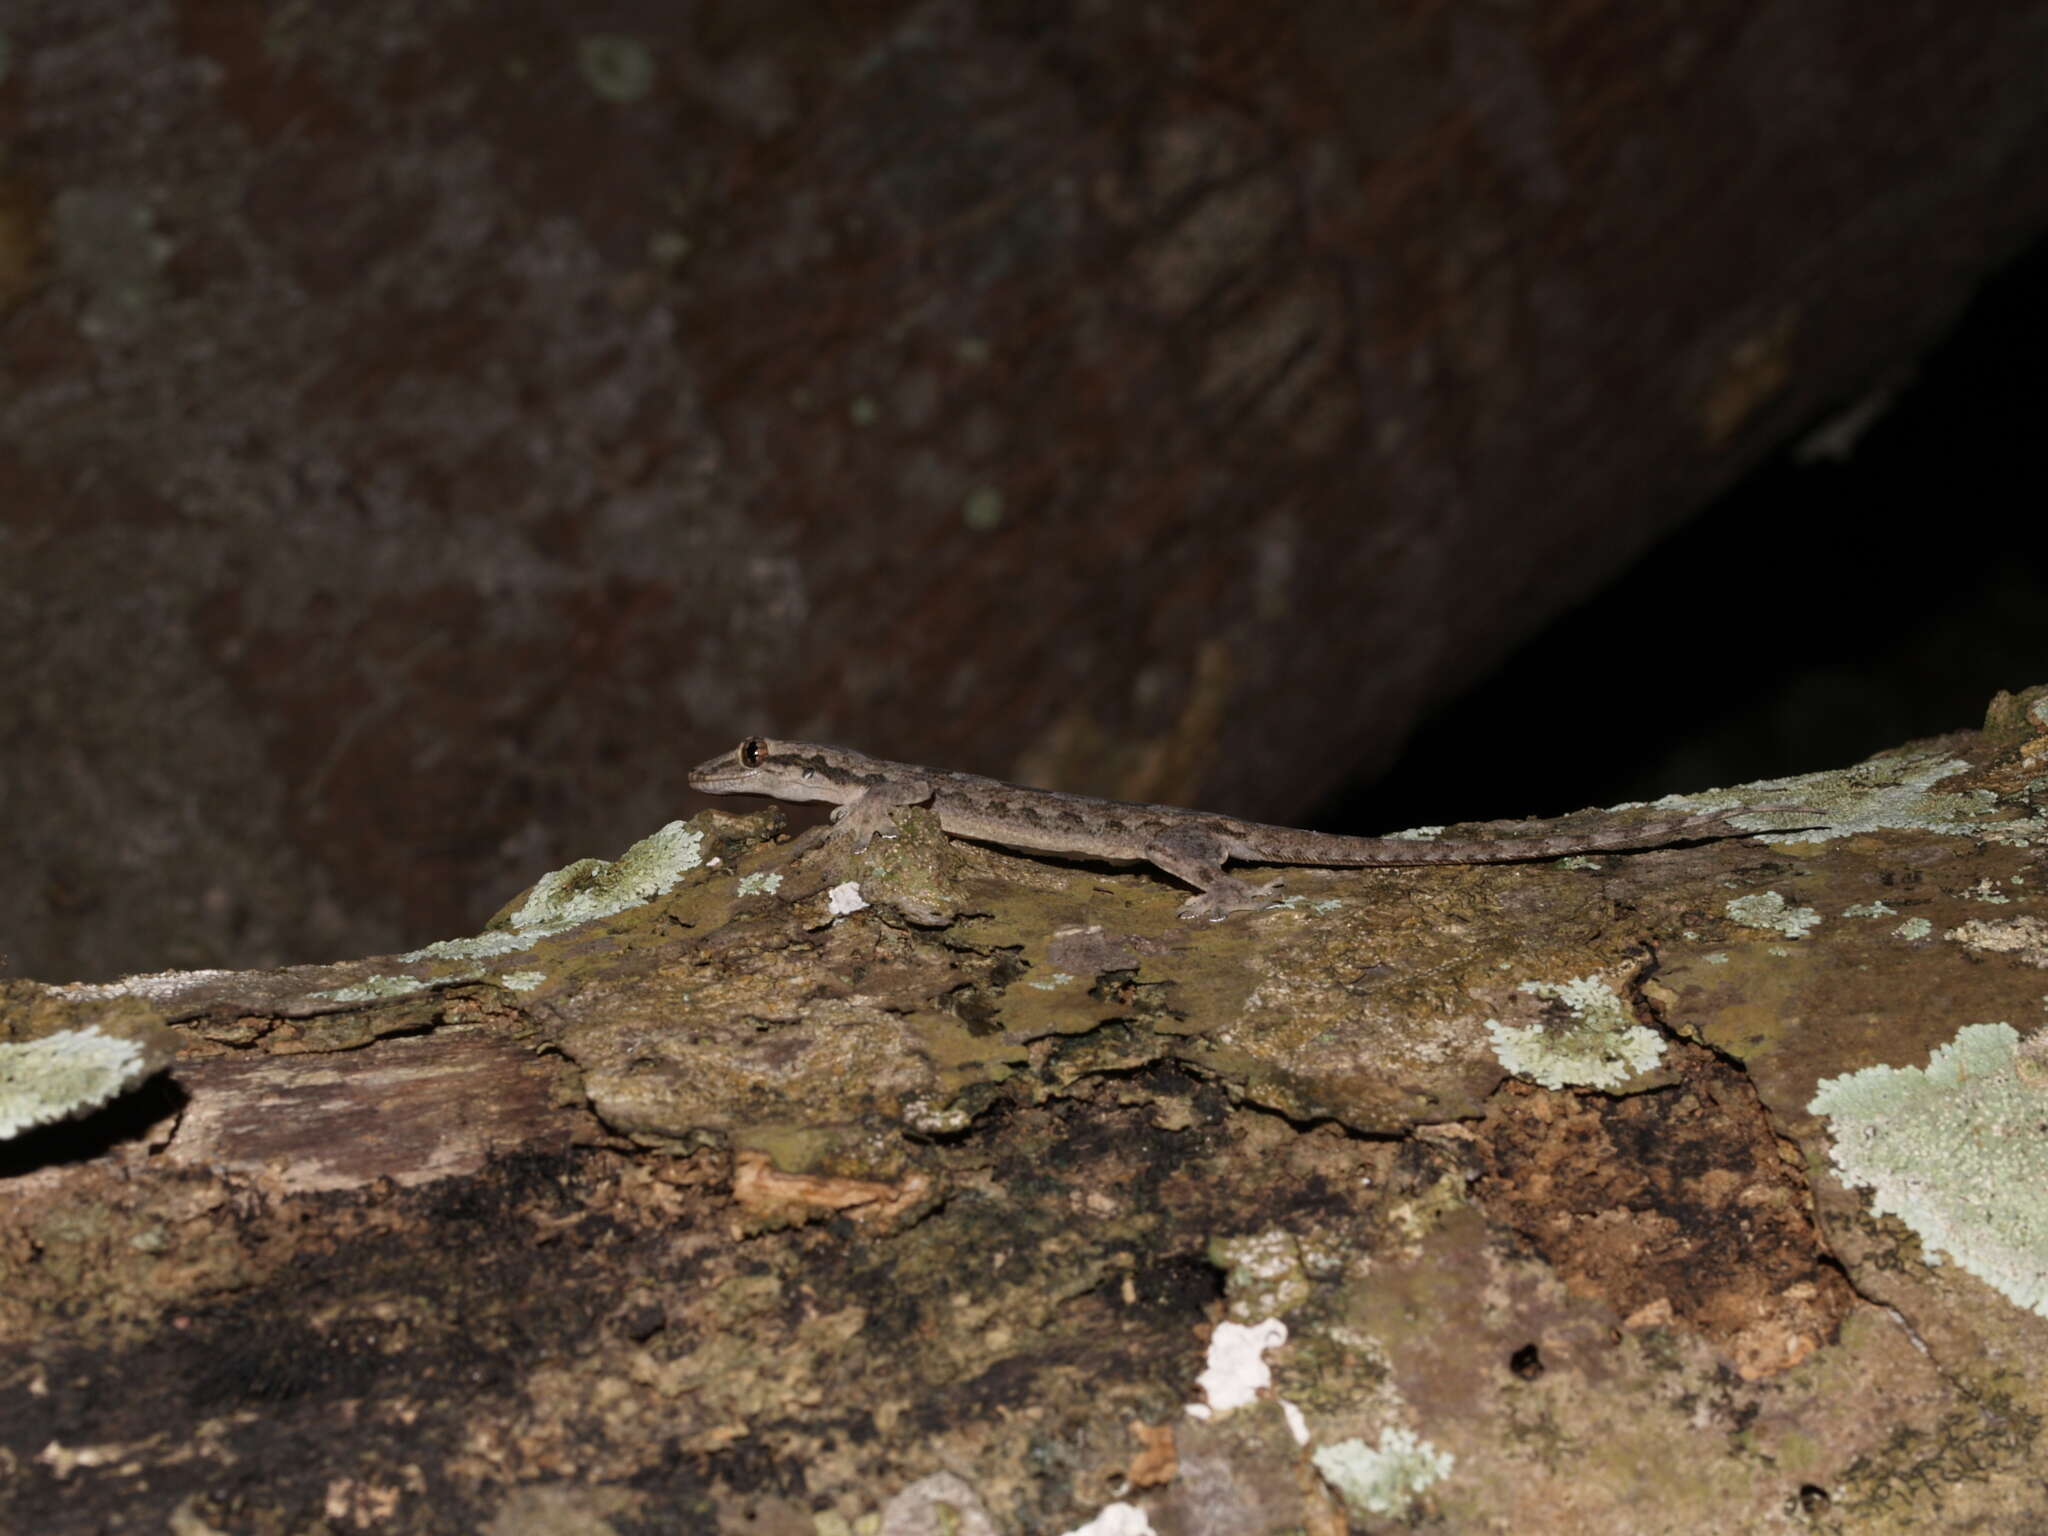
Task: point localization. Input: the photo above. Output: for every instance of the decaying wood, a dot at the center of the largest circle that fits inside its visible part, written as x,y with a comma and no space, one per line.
730,1211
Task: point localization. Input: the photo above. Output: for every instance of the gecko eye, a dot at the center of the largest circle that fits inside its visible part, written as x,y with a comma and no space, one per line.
751,752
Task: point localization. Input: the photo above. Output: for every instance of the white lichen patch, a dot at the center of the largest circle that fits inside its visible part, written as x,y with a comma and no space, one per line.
1956,1152
760,883
1914,928
933,1119
370,989
1387,1479
1869,909
1602,1047
156,987
844,899
1237,1372
523,981
1772,913
2024,938
1986,890
1051,983
1887,793
1118,1519
67,1074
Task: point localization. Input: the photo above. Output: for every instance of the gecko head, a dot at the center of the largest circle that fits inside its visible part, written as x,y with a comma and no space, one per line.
788,770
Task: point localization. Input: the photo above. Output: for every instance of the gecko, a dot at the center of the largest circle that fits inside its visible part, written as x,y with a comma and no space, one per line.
1191,846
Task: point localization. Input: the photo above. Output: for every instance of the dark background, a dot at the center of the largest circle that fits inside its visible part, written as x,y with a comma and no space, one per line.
426,431
1912,567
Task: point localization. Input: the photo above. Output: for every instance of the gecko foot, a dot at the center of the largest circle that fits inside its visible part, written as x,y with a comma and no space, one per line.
1229,895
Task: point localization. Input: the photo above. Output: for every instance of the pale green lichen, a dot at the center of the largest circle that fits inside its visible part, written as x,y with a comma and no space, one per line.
1051,983
583,892
845,898
67,1074
481,946
592,888
1883,794
523,981
370,989
1956,1152
1869,909
760,883
1914,928
1603,1046
1386,1480
1773,913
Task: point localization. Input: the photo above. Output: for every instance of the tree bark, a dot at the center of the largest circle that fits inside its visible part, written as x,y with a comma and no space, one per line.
722,1209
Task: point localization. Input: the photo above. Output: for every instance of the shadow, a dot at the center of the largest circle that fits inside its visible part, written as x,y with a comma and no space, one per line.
128,1119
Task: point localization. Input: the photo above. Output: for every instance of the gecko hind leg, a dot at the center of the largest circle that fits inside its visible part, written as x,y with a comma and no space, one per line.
1197,858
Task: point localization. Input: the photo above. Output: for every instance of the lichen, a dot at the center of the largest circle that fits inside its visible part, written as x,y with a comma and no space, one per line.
156,987
592,888
1236,1371
1773,913
1882,794
1386,1480
2024,938
1265,1274
1914,928
370,989
523,981
1603,1046
760,883
1869,909
1955,1151
70,1073
845,898
1118,1519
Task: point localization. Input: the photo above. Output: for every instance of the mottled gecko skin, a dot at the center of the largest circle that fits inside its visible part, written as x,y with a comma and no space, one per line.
1192,846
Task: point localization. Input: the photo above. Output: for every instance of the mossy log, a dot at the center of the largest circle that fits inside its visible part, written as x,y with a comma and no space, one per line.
743,1185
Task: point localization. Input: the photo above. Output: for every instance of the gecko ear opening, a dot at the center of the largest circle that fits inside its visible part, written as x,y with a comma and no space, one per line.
750,752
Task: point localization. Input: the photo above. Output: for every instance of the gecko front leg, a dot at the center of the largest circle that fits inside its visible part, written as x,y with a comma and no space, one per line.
1189,854
872,810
